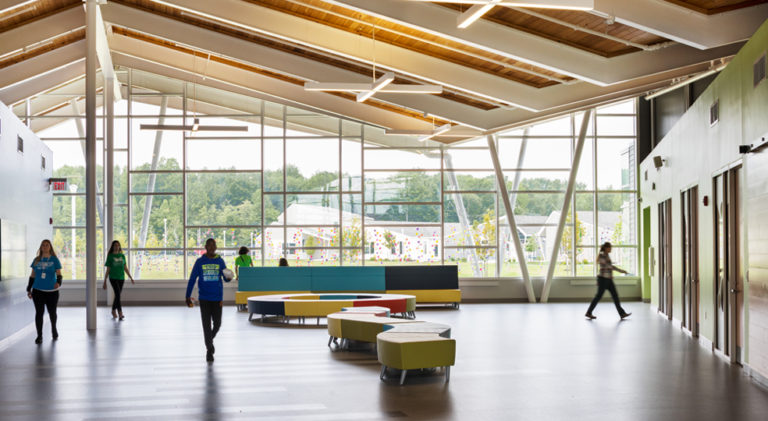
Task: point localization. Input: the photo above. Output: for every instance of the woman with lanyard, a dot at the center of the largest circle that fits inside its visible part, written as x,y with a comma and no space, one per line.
43,287
117,269
605,281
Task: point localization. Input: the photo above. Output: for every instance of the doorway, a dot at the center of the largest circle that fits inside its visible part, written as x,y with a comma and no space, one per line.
728,282
665,258
690,262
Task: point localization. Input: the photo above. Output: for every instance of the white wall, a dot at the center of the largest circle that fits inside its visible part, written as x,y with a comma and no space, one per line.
24,199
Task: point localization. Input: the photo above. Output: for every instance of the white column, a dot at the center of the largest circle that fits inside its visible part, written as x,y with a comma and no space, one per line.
566,205
90,163
511,219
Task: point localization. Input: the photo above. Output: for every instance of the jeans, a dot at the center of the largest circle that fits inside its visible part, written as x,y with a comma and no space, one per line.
602,285
117,286
210,311
43,299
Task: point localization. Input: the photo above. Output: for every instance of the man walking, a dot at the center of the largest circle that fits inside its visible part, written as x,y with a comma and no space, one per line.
208,273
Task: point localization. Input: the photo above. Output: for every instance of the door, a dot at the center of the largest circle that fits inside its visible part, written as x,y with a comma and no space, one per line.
728,282
690,263
665,258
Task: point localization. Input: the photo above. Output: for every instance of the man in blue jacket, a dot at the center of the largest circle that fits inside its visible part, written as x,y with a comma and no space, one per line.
207,272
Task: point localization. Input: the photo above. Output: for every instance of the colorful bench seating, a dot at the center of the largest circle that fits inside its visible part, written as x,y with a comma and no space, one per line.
320,305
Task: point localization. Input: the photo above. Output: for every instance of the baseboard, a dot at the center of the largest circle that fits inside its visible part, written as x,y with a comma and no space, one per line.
16,337
647,300
706,343
756,377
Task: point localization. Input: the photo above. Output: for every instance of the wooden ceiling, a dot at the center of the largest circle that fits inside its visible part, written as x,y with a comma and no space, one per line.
415,40
713,7
43,47
19,16
595,44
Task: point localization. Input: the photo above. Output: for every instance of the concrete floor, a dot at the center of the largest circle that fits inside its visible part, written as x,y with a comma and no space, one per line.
514,361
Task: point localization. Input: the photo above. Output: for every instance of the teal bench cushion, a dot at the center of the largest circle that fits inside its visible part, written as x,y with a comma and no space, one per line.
275,279
348,279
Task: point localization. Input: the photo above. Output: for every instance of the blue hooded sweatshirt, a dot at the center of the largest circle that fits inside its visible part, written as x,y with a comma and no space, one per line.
208,271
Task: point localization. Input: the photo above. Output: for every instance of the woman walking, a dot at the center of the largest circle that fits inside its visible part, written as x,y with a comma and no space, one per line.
244,260
605,281
43,287
117,269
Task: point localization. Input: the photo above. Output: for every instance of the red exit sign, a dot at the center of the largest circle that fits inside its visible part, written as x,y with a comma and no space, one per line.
58,184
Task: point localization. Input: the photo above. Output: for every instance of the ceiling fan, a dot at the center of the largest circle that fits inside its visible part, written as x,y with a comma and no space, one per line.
481,7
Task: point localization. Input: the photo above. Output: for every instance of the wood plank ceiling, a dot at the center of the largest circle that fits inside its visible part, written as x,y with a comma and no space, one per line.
713,7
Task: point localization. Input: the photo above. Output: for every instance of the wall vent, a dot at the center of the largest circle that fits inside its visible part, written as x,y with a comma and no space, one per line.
42,162
758,71
19,144
714,113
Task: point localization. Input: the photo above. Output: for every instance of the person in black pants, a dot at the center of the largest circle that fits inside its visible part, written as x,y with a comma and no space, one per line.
208,273
43,287
116,271
605,282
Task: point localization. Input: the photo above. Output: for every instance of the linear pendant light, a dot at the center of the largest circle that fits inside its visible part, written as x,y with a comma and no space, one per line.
688,81
481,7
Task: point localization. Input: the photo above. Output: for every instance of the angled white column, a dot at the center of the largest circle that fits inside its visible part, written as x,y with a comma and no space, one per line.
566,205
511,219
520,162
90,164
105,59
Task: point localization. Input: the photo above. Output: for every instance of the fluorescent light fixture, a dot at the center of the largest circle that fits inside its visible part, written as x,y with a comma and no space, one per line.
193,128
688,81
474,13
539,4
380,83
437,132
364,87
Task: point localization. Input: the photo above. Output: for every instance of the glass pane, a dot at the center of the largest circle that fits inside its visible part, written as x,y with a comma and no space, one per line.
313,257
223,154
352,221
223,198
384,159
470,219
585,261
162,216
472,262
616,218
156,182
585,177
273,165
152,104
120,177
273,209
225,237
302,123
585,219
396,214
624,107
407,186
69,162
312,237
158,264
351,165
615,164
557,127
625,258
477,159
536,208
273,246
144,142
538,180
402,245
615,126
313,164
313,209
352,257
65,206
475,181
69,245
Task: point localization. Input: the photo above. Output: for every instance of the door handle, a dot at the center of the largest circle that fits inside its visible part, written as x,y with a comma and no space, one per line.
734,291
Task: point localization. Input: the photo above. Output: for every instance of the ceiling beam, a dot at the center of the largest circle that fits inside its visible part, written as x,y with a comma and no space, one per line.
680,24
41,65
36,85
7,5
279,61
132,53
535,50
41,30
349,45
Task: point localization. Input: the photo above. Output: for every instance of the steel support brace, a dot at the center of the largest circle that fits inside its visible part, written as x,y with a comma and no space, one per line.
511,219
566,204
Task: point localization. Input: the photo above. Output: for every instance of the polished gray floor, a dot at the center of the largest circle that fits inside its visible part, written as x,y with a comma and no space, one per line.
514,361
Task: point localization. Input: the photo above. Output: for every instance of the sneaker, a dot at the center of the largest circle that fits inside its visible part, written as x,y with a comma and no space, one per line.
590,316
209,356
39,340
114,314
625,315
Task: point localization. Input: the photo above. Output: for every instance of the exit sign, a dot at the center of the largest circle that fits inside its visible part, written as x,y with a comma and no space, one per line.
58,184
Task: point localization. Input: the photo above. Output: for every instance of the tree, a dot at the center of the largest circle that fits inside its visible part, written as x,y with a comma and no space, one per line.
389,241
578,228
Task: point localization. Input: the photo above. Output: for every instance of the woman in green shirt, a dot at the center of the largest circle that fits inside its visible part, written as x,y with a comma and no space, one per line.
244,259
117,269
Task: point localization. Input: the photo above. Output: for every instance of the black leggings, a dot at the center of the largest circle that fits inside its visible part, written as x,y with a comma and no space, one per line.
602,285
117,286
43,299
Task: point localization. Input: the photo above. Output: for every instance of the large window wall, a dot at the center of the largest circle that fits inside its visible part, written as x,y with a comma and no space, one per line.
321,190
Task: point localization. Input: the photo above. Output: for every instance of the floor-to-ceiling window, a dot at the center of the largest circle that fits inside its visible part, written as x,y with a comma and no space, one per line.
321,190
